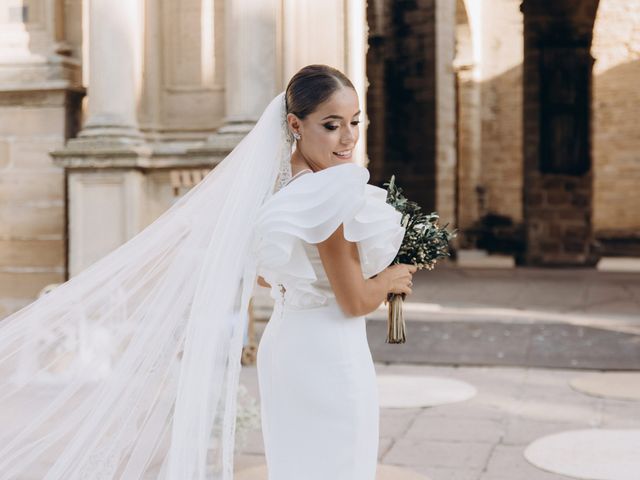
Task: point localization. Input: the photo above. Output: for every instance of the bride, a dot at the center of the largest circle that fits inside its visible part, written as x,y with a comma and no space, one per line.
130,369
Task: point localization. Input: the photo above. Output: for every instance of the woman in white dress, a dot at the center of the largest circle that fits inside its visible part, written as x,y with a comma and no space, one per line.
325,242
129,370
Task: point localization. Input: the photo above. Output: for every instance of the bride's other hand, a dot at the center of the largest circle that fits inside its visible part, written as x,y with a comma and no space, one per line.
400,278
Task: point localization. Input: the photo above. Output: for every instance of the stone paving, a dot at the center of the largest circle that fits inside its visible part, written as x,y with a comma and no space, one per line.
517,402
574,318
584,296
484,437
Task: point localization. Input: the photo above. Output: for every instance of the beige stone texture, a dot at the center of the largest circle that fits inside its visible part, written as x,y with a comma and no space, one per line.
30,220
183,87
501,70
20,187
445,111
32,211
26,285
32,253
31,121
616,103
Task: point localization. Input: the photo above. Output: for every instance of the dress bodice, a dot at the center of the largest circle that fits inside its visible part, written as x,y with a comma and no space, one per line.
305,212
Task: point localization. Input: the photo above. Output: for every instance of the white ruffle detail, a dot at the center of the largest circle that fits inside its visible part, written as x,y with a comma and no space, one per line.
310,209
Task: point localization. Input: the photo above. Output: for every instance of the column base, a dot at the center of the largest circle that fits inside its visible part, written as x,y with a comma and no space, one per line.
103,152
110,128
229,135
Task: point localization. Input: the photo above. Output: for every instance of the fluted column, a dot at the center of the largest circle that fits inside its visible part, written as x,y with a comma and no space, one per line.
115,44
250,67
106,186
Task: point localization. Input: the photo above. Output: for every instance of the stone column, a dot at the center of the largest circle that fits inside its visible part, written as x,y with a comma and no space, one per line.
445,101
466,66
115,45
558,176
250,49
105,164
356,46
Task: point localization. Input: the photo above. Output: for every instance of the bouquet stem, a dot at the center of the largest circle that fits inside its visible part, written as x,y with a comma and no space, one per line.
395,323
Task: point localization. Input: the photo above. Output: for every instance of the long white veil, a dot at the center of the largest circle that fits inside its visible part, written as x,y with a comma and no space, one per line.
130,369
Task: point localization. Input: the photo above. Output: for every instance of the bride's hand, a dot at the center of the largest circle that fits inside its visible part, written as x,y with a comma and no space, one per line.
399,278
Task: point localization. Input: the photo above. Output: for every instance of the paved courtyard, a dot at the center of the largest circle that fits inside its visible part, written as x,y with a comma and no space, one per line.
572,324
484,437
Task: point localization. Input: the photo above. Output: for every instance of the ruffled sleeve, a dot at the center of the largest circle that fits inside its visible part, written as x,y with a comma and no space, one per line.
311,208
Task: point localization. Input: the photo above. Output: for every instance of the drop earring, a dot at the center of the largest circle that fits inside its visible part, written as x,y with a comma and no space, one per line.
296,135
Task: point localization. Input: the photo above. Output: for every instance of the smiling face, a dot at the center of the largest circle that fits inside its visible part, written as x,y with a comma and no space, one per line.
330,133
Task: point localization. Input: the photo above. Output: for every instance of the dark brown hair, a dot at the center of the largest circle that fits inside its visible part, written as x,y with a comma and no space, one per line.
311,86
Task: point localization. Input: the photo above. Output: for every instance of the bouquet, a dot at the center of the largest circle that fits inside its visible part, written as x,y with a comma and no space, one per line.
423,244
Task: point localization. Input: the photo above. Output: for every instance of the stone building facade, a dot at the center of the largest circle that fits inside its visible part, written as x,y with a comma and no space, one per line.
516,122
513,119
109,110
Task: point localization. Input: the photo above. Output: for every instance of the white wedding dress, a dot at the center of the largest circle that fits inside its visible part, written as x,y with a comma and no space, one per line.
318,389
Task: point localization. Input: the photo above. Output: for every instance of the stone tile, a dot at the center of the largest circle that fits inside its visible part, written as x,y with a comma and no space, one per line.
520,431
412,391
456,430
437,473
32,153
507,462
620,414
384,445
470,409
557,409
394,422
616,385
32,122
32,253
17,186
426,453
32,220
414,369
558,377
392,472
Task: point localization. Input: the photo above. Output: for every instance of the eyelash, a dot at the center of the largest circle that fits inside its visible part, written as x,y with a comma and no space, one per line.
333,127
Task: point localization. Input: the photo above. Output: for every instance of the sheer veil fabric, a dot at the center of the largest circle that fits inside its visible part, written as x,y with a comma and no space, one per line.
130,369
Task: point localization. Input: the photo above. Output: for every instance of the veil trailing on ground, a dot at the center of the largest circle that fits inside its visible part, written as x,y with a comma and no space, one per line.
130,369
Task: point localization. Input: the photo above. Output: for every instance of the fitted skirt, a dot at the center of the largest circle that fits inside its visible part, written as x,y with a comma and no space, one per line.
318,395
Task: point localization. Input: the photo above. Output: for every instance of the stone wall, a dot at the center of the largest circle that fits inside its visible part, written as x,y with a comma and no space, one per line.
558,171
40,106
616,128
32,218
446,155
501,108
413,99
402,57
468,125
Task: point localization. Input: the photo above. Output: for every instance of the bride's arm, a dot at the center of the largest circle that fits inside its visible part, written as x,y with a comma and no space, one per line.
262,282
356,295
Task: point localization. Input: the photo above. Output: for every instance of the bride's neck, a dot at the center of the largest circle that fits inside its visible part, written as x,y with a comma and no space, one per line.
299,163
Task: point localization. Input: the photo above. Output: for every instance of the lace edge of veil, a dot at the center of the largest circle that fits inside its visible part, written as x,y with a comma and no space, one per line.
284,170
